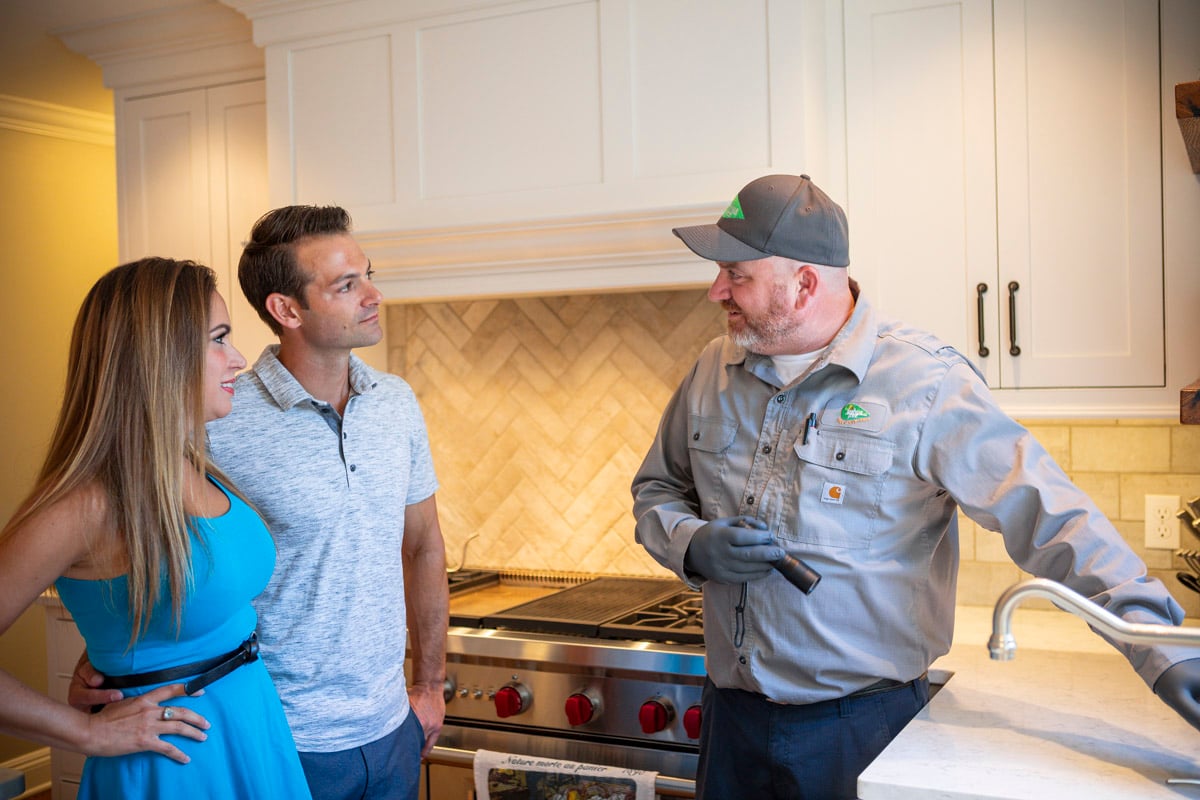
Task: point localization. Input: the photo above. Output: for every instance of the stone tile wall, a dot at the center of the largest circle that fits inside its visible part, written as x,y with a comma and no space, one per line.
1117,462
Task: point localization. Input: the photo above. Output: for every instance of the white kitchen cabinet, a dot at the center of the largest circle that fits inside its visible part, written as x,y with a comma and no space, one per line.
63,645
443,113
1012,143
192,179
497,147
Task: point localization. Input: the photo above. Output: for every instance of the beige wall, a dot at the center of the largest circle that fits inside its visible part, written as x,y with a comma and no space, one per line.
540,410
60,233
59,228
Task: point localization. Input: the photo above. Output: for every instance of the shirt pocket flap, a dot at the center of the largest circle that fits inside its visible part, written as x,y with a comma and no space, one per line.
711,435
856,454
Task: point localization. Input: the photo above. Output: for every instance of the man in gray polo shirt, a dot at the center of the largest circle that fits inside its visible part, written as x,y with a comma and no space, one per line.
335,456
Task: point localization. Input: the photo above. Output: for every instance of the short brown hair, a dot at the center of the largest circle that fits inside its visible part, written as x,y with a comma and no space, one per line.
268,264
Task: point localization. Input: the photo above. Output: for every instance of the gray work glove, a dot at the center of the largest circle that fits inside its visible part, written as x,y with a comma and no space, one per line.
1179,687
732,550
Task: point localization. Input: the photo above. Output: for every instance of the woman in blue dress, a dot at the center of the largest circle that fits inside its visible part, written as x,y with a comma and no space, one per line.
154,553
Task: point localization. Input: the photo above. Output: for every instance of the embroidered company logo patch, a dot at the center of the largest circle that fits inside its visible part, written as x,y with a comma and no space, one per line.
862,415
852,413
734,211
832,493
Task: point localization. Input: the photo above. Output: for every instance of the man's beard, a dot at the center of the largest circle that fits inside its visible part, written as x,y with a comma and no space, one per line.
764,330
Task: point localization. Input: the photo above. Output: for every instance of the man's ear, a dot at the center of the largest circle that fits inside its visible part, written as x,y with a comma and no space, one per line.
284,309
807,280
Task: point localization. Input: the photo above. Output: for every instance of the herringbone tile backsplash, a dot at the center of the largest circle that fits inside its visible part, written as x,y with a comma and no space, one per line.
540,410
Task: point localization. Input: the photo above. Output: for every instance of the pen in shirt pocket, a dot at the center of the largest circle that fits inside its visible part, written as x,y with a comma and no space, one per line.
809,425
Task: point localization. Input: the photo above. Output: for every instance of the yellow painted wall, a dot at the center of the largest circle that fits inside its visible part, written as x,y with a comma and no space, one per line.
58,233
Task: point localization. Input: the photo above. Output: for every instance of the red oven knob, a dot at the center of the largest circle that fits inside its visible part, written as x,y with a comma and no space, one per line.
691,722
582,707
655,715
511,699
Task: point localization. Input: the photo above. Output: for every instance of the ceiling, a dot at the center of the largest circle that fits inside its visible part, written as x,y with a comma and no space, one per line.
36,65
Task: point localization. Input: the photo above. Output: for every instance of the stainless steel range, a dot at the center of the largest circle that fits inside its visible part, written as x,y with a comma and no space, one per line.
608,671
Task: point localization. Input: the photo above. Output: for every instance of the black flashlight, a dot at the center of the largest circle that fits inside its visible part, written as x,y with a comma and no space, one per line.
798,573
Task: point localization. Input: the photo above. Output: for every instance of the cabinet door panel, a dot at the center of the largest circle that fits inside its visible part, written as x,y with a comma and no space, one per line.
237,135
163,177
525,114
340,132
920,162
679,69
1079,188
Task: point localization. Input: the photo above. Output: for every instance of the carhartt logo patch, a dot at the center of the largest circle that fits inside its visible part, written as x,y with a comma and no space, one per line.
853,412
832,493
734,211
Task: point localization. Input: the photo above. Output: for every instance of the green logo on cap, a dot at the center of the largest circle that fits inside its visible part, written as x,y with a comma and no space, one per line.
852,412
734,211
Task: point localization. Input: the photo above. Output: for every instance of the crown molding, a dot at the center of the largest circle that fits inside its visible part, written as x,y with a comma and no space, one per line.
59,122
277,21
204,41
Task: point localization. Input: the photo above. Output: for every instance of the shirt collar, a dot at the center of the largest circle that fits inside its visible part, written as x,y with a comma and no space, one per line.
287,392
854,345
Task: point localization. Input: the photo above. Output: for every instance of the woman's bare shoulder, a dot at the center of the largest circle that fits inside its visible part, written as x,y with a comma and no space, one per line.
81,525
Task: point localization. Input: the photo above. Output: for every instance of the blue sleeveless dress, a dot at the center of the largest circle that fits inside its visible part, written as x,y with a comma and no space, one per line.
249,752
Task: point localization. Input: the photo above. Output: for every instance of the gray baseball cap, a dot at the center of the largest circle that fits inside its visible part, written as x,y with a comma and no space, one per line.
778,215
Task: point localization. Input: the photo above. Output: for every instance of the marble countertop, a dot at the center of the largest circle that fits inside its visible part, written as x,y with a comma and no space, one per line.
1068,717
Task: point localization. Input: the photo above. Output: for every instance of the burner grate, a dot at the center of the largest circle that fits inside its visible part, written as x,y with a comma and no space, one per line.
676,619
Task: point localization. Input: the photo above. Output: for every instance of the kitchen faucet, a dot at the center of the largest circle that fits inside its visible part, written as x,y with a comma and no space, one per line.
1003,646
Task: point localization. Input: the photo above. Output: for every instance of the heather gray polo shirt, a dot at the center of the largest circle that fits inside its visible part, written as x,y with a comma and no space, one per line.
333,491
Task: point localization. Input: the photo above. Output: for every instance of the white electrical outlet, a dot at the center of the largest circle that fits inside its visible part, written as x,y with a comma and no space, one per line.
1162,526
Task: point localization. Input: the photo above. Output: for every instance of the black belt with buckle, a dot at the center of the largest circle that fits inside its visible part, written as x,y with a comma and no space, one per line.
886,685
205,672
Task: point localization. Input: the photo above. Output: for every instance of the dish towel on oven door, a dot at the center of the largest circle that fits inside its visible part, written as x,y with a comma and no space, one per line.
508,776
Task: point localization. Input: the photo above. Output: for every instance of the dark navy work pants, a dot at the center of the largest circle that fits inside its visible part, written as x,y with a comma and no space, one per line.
751,747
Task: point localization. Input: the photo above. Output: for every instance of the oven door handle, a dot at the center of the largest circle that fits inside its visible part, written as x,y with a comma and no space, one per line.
664,785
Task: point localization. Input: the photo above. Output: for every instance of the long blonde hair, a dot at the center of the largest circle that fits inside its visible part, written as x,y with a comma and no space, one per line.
133,411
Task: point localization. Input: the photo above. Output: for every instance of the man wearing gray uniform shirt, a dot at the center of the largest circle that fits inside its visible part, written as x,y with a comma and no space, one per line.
820,429
336,458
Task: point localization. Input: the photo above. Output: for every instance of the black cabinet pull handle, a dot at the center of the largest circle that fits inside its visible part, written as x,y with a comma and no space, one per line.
1013,350
980,291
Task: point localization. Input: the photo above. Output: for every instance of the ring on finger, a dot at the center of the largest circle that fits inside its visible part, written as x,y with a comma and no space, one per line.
167,712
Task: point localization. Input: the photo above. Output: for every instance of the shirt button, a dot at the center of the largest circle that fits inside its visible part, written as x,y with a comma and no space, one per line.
741,659
353,467
750,500
780,398
695,437
840,456
344,436
766,448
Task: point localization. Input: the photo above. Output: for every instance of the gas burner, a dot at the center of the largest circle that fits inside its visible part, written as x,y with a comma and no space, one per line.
676,619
